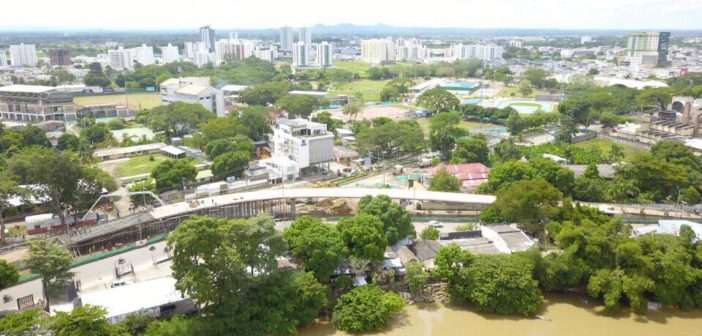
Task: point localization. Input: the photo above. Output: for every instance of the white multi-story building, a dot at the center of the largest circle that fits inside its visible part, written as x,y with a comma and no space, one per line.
306,143
33,103
517,43
410,50
121,59
144,55
207,37
233,49
23,55
305,36
486,53
299,54
378,51
286,38
266,54
198,54
325,57
648,48
170,54
3,58
193,90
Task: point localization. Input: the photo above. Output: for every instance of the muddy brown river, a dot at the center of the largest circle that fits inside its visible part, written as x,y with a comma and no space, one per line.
562,316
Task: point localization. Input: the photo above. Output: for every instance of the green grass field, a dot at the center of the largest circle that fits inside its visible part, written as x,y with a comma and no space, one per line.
359,68
369,88
139,165
136,101
425,124
605,145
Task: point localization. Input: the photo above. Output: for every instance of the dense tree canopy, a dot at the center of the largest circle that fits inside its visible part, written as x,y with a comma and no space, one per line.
438,100
364,236
84,320
53,263
231,164
471,150
444,181
531,203
176,119
318,244
391,138
396,220
444,131
298,105
173,174
501,284
366,308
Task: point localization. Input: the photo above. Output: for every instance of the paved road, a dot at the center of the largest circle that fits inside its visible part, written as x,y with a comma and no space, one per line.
100,274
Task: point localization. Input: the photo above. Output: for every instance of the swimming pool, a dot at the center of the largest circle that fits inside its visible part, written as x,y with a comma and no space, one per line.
460,86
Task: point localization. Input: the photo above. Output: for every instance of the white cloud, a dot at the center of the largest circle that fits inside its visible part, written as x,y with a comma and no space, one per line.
179,14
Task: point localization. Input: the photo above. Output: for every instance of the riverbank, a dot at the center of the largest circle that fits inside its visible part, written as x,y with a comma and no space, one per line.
563,315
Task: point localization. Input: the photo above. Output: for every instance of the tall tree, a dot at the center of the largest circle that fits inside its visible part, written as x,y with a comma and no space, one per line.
366,308
53,264
231,164
298,105
438,100
57,174
444,131
177,119
531,203
364,236
319,245
471,150
214,259
172,174
397,222
444,181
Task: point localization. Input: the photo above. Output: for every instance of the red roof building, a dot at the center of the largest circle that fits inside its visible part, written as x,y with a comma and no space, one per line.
471,175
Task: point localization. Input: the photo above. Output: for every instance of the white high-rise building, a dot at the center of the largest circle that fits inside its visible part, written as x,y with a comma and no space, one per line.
286,38
268,54
170,54
121,59
378,51
305,36
23,55
233,49
3,58
410,50
207,36
324,55
144,55
299,54
650,48
485,53
198,54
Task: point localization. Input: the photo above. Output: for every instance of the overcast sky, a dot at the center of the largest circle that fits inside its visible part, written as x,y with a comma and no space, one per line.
188,14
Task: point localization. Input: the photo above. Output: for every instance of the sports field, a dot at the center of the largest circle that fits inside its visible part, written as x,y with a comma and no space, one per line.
135,101
370,89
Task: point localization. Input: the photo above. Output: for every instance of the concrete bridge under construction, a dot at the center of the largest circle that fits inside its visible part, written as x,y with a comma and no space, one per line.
281,204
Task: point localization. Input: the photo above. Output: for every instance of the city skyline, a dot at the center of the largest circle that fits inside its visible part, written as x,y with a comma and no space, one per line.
539,14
